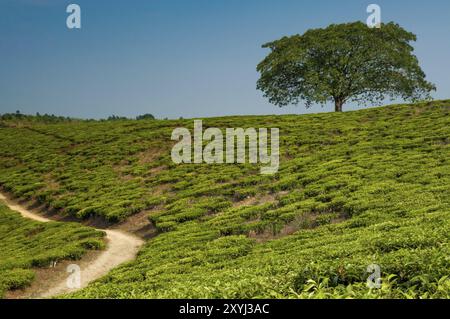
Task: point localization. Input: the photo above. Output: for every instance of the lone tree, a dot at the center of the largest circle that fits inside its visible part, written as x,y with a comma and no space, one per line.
341,63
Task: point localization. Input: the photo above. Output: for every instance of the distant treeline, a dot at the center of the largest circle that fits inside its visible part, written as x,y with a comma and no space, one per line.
51,118
48,118
139,117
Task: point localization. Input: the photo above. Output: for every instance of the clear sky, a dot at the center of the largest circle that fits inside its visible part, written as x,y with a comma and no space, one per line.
171,58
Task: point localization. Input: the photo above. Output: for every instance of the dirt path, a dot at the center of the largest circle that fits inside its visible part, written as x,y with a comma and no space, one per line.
121,247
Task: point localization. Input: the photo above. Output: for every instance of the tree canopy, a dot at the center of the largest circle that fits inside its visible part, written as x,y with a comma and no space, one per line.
146,116
342,63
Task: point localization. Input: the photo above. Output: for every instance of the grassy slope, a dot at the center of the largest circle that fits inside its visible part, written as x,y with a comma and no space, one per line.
25,244
362,187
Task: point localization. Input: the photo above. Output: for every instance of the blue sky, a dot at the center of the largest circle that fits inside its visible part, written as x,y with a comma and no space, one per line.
172,58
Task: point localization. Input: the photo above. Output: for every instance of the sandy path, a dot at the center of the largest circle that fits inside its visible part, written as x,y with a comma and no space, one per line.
121,247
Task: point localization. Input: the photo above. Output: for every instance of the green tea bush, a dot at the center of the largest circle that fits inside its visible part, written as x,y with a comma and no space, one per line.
27,244
353,189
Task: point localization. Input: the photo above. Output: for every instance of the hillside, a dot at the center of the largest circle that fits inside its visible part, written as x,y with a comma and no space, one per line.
353,189
26,245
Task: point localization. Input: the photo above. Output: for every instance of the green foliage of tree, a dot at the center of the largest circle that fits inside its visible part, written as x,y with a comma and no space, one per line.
25,118
146,116
116,118
342,63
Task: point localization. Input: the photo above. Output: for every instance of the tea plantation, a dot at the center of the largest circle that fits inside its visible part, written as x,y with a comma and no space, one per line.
353,189
27,244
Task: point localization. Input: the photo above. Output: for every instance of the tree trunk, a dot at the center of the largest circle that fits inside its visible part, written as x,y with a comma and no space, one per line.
338,103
